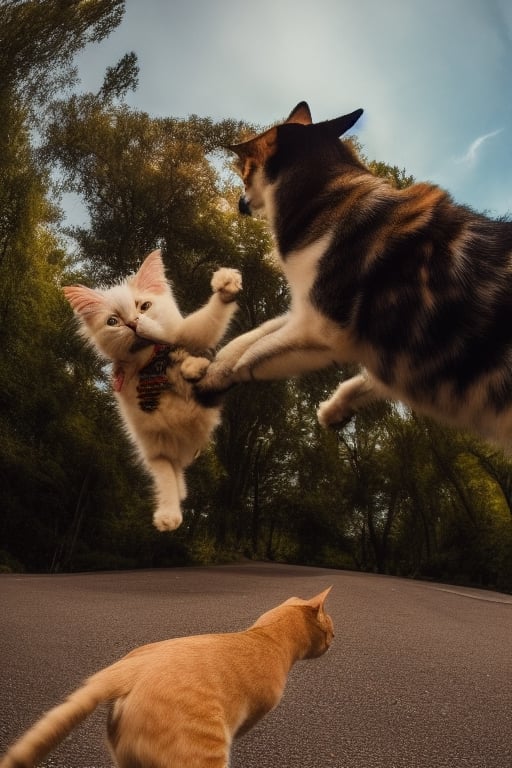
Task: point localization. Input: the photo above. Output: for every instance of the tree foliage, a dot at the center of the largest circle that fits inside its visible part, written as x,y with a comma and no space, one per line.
39,38
390,492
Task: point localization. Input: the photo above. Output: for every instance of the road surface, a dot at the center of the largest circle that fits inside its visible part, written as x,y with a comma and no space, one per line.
419,675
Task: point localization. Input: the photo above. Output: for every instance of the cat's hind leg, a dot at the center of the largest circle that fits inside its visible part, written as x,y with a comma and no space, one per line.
170,491
351,396
163,740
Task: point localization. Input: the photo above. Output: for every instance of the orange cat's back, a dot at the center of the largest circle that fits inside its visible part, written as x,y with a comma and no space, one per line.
183,701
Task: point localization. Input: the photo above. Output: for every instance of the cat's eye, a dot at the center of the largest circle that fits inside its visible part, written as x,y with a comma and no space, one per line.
145,305
113,320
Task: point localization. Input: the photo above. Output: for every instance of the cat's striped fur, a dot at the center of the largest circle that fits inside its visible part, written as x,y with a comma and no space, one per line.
412,286
181,702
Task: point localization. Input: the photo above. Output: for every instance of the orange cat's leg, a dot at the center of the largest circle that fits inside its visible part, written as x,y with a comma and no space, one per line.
209,761
163,744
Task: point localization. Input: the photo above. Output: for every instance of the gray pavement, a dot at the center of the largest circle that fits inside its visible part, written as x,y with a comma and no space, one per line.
419,675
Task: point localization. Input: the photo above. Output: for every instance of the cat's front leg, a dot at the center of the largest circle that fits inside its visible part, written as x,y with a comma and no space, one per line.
227,282
350,397
288,350
148,328
219,375
204,328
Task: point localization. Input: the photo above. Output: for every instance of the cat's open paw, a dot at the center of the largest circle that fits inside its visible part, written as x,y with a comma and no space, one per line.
166,520
194,368
334,414
227,282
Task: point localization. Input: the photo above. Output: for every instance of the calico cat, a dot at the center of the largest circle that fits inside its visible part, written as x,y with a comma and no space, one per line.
406,283
156,354
181,702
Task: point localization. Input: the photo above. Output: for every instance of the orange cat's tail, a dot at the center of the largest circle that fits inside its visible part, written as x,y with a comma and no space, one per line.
55,725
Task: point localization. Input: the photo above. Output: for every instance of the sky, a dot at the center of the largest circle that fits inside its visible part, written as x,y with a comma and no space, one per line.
434,78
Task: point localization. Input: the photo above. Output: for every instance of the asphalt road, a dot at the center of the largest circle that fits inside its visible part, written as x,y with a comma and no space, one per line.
419,675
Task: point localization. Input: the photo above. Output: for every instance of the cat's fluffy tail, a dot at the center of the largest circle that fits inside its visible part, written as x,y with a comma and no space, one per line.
55,725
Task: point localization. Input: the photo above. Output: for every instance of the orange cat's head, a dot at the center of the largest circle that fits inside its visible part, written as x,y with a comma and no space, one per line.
306,620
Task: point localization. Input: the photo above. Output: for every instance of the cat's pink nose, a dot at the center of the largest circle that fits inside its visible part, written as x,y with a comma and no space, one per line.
132,324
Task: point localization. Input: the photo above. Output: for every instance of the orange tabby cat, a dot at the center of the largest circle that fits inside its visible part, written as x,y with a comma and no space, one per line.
181,702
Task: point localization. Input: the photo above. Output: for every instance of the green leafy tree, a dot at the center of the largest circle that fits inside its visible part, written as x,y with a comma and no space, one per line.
145,182
149,182
390,492
39,39
45,448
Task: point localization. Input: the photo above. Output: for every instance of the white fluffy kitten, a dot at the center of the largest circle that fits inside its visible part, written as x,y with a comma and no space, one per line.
156,353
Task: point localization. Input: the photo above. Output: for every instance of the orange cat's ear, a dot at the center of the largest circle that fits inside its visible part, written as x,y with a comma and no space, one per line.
84,300
151,274
318,601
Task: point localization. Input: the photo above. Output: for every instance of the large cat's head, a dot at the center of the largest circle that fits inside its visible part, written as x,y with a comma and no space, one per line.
108,316
292,145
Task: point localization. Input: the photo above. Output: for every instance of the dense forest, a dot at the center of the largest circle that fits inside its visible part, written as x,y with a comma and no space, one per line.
391,492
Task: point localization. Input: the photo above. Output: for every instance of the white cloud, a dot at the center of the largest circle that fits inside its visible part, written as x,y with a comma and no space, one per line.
470,156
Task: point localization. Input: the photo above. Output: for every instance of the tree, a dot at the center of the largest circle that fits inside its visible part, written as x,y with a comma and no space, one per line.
44,458
389,492
149,182
145,181
38,41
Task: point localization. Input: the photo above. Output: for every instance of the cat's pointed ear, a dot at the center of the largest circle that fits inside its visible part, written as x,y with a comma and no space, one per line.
300,114
151,274
340,125
243,149
259,148
85,301
318,601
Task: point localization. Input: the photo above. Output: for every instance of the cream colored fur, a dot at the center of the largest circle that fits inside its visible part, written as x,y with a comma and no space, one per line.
117,322
299,341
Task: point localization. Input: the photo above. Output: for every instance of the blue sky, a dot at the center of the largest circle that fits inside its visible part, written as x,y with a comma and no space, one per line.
434,78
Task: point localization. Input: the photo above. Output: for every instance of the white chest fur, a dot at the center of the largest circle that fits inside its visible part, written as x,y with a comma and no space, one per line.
301,269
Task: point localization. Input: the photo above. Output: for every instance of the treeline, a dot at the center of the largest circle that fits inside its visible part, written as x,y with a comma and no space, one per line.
390,493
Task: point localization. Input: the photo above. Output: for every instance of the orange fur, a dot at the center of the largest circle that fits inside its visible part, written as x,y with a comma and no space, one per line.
181,702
